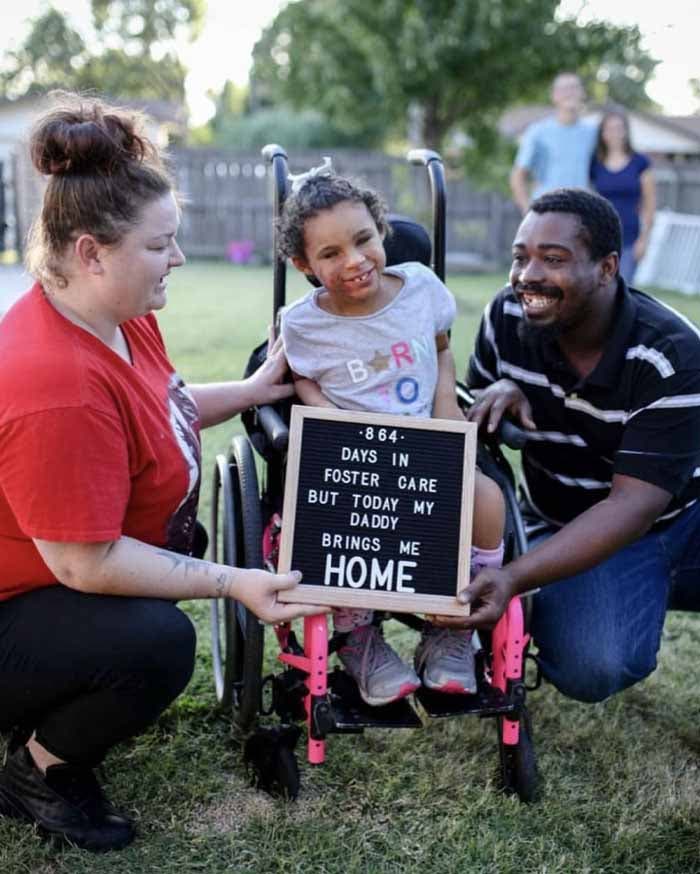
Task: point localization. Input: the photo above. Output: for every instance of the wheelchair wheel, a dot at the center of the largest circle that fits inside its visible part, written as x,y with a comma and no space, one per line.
272,764
237,654
518,763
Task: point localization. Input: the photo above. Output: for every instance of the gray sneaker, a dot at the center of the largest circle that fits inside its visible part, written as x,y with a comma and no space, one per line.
444,660
380,674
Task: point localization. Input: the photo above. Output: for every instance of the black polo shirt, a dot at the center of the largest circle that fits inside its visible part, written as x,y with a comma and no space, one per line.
637,413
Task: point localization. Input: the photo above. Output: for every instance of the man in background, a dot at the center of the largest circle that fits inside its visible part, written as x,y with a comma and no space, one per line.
555,152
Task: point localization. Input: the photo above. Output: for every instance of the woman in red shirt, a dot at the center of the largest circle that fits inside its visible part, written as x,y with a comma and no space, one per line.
99,477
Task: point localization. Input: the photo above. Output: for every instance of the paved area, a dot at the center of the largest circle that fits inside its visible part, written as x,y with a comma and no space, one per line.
13,282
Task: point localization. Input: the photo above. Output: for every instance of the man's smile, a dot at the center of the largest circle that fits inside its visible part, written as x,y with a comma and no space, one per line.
538,302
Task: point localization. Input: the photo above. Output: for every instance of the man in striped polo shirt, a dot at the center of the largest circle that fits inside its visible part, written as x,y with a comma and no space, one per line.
606,380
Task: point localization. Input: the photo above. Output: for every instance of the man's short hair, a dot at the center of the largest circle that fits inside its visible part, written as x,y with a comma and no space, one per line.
601,231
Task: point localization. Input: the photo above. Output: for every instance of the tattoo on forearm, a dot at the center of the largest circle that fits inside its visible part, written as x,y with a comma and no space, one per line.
184,561
222,584
200,567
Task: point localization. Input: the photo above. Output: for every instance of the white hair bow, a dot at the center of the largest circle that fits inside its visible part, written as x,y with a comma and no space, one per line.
323,170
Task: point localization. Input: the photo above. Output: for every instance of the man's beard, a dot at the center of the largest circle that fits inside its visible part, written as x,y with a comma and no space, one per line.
534,336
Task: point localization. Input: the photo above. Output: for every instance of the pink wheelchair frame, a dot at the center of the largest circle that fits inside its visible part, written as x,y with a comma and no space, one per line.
306,691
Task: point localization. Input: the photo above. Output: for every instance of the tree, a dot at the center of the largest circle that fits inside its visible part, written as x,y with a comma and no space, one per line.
142,60
116,73
695,88
234,125
141,24
450,64
230,104
50,57
132,51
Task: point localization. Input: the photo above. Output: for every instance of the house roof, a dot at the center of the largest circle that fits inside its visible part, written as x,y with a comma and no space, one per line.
513,122
690,124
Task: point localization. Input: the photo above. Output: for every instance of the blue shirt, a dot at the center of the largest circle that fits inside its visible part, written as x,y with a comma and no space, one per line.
623,189
557,155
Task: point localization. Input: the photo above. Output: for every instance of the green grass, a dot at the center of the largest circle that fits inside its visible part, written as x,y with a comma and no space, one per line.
620,779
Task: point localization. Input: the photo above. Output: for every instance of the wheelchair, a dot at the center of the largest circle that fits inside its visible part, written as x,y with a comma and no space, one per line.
245,531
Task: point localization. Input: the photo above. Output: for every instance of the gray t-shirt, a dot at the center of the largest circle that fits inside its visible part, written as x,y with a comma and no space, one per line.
385,362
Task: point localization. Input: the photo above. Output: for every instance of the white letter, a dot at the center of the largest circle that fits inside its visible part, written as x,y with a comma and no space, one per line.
404,576
380,579
357,369
330,570
356,560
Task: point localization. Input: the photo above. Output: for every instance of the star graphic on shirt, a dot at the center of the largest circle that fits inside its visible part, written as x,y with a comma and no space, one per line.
379,362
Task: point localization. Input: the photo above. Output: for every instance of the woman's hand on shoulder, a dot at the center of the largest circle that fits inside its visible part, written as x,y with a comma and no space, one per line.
265,386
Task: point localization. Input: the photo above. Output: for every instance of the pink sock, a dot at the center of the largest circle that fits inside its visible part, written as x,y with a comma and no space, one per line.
345,619
481,558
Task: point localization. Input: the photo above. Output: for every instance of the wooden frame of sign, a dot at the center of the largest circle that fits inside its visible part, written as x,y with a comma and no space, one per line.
378,510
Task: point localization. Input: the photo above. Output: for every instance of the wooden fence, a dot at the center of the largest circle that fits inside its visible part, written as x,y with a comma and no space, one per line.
228,210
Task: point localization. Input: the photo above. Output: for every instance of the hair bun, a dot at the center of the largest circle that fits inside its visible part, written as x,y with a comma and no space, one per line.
83,138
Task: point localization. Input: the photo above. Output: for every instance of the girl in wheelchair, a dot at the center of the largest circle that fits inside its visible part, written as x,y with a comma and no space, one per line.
375,338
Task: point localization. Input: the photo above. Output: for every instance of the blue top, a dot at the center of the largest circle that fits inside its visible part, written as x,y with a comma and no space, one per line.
557,155
623,189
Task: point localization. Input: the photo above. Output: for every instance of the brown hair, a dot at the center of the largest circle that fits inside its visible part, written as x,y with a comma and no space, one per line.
103,172
601,149
322,191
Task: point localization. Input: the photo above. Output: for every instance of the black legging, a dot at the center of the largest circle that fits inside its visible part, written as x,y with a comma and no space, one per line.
88,671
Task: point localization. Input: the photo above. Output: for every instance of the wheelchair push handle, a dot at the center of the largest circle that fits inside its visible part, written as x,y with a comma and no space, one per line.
272,151
423,156
273,426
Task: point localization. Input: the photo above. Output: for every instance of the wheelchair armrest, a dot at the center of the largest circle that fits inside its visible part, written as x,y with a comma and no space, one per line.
511,434
273,426
508,432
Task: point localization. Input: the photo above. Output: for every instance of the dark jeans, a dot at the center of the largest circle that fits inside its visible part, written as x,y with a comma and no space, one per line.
88,671
599,631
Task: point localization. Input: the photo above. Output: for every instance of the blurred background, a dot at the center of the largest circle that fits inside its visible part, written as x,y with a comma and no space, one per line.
362,79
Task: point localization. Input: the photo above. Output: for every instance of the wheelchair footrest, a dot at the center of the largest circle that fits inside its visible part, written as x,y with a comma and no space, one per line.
487,701
352,714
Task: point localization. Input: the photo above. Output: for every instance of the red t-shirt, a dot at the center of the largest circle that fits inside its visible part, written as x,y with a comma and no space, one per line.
91,447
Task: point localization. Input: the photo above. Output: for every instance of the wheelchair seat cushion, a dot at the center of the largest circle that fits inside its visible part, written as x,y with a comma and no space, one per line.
408,241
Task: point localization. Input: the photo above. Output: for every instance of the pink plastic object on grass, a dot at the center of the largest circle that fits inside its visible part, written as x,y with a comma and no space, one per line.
240,251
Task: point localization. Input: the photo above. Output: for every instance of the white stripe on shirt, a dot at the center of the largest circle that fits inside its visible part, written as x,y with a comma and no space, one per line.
670,403
654,357
574,482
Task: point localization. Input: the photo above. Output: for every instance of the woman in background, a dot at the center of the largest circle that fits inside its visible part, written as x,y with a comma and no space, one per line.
625,178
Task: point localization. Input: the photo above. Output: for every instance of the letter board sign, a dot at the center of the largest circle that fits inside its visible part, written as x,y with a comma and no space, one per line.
378,510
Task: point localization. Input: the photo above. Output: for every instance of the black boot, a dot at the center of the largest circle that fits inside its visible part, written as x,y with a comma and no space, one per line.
67,803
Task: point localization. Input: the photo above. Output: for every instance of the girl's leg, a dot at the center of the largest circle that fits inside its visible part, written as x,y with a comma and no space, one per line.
346,619
381,675
489,513
444,657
